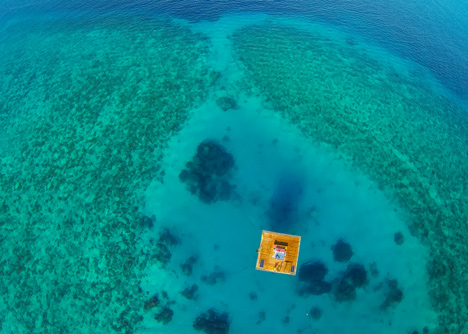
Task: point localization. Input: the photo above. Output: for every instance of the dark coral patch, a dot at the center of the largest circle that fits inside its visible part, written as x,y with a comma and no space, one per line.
313,273
261,317
394,295
344,292
190,293
162,253
399,238
315,313
342,251
151,303
207,174
167,237
161,249
147,222
353,278
187,266
215,277
164,316
226,103
356,275
212,322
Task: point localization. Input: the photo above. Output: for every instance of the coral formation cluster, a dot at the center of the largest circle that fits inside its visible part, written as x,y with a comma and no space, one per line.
212,322
343,287
85,128
207,174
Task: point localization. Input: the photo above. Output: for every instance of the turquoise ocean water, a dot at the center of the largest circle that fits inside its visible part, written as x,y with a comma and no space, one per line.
144,146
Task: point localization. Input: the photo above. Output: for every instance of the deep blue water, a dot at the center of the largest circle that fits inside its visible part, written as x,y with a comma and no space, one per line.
432,33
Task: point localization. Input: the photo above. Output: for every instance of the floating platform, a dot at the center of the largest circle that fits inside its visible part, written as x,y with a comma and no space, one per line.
278,253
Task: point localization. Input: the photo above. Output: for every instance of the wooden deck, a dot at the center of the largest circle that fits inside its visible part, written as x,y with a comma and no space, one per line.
265,260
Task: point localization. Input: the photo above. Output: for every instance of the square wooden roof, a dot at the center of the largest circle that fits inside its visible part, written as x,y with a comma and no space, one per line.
272,241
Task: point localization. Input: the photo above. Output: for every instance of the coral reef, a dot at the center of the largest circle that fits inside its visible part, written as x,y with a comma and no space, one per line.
187,266
344,291
167,237
190,293
313,273
147,222
164,316
315,313
216,276
207,174
355,276
315,288
212,322
161,253
86,127
342,251
162,247
399,238
151,303
374,270
226,103
394,295
261,317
